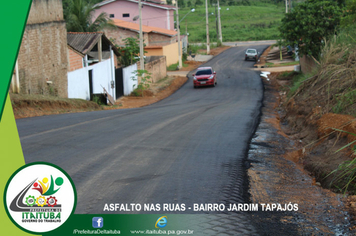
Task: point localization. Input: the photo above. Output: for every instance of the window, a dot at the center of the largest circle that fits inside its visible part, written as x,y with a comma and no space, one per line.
126,15
112,15
204,72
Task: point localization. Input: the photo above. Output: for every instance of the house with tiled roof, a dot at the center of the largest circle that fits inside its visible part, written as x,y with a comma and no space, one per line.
92,66
90,48
158,41
154,14
152,36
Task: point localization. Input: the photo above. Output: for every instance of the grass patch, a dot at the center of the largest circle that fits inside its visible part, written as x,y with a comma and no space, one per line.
194,48
296,82
162,80
292,63
287,75
345,174
344,100
239,23
174,67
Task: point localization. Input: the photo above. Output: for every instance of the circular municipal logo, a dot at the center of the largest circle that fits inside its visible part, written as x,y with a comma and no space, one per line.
39,197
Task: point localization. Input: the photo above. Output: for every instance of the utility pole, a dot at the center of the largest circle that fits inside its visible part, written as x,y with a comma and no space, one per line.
142,62
186,27
286,6
216,24
179,47
219,23
207,28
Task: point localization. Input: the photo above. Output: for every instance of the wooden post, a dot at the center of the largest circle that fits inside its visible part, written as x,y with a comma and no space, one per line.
100,49
179,46
207,28
219,23
142,62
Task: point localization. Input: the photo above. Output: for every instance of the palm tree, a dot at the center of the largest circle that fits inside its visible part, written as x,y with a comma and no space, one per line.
79,17
280,43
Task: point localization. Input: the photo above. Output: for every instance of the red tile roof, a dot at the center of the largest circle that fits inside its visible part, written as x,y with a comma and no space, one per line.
162,6
145,28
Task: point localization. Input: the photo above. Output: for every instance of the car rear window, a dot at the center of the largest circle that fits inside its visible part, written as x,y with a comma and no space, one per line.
204,72
251,51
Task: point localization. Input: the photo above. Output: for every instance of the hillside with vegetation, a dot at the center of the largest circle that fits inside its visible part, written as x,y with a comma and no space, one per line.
320,106
240,20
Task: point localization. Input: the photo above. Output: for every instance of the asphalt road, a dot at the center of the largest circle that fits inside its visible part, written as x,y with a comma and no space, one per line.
188,148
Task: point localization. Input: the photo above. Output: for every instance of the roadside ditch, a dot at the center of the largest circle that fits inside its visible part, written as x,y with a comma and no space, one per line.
276,175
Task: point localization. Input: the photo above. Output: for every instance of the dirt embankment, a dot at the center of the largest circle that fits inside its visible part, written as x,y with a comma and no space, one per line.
307,117
25,105
274,178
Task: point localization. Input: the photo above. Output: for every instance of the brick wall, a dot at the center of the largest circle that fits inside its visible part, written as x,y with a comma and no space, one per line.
156,65
75,60
45,11
43,54
307,64
150,39
116,62
120,34
160,39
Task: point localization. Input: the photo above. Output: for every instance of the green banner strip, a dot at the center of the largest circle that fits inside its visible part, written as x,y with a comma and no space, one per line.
13,17
11,159
144,224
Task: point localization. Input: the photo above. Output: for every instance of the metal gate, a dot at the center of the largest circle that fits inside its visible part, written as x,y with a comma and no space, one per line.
119,82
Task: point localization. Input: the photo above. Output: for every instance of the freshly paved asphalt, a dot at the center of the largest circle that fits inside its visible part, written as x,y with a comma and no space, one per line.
188,148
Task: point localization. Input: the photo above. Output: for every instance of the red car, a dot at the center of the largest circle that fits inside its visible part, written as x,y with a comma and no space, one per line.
205,76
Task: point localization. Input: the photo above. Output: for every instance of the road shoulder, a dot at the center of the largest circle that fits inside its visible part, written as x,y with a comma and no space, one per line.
275,178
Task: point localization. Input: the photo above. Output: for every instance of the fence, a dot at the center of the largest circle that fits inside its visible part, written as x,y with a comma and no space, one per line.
90,80
129,83
156,65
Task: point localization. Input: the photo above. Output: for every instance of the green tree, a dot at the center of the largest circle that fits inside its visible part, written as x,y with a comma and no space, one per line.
350,17
181,3
199,3
309,23
130,52
189,4
78,15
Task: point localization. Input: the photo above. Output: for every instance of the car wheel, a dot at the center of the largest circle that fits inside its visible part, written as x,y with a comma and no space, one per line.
245,58
195,86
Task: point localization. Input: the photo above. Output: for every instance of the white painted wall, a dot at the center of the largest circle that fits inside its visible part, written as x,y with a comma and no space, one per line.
102,77
78,80
78,84
129,84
